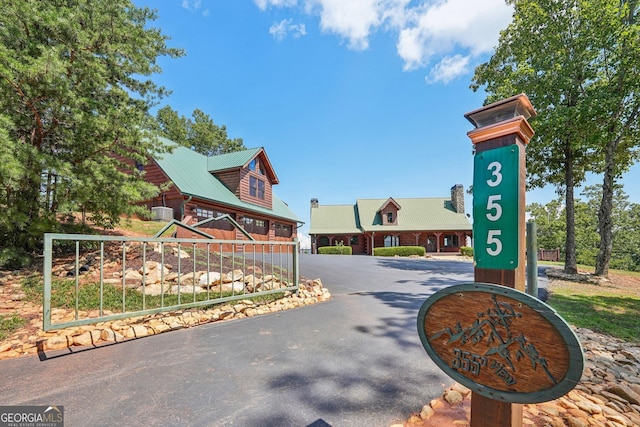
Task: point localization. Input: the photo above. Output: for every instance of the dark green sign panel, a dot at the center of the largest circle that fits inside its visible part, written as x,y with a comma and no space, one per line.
495,208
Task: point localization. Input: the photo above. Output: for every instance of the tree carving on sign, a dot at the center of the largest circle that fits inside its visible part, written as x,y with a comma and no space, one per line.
495,325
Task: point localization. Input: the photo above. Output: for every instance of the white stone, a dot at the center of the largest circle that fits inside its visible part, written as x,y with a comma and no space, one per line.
211,279
236,287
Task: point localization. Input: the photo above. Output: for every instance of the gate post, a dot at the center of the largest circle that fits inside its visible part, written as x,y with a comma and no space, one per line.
501,135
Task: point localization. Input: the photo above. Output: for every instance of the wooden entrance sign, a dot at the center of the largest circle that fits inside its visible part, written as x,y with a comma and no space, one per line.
500,137
499,125
501,343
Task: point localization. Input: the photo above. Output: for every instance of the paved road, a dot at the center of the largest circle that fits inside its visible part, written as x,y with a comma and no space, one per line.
355,360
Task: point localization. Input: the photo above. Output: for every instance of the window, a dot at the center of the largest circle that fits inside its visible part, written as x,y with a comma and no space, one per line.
353,241
391,241
390,217
256,166
256,226
256,187
451,240
284,230
222,224
323,241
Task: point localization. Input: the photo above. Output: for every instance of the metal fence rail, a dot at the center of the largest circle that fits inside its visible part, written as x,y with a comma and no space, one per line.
91,279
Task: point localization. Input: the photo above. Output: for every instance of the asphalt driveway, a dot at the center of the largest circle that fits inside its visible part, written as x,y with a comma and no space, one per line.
355,360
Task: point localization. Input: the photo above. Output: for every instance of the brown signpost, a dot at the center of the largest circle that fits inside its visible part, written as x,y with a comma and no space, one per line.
506,346
498,125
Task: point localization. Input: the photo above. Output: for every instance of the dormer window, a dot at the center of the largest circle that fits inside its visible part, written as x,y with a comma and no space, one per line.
255,166
390,217
256,187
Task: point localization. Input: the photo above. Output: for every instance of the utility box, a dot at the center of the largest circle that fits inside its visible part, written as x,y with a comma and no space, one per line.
161,213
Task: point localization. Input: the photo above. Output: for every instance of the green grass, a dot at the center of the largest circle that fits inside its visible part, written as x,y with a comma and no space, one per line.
600,310
147,228
63,295
9,324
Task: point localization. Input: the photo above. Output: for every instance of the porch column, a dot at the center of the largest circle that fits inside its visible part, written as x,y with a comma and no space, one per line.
373,233
438,242
417,236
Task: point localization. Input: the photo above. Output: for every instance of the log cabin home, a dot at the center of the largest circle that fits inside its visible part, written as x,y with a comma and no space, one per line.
237,184
439,224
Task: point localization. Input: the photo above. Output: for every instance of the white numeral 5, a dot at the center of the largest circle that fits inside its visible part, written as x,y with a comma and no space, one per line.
492,204
493,239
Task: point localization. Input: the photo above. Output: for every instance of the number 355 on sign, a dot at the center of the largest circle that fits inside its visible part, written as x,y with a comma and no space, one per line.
495,208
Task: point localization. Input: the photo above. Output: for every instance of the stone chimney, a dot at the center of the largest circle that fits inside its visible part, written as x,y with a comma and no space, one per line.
457,198
314,203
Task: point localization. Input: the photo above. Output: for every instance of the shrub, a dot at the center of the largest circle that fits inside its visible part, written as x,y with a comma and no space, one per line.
466,251
399,251
13,259
335,250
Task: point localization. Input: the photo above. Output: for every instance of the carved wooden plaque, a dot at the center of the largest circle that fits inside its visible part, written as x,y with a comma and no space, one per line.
501,343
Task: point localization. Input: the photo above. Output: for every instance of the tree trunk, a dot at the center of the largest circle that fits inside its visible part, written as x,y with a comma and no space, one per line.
570,263
605,225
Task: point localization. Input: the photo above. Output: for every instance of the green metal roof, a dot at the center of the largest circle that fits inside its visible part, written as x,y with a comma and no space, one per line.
415,214
338,219
233,160
189,172
433,213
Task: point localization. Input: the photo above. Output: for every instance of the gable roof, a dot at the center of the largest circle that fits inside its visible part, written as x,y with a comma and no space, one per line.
387,202
240,159
417,214
189,172
433,213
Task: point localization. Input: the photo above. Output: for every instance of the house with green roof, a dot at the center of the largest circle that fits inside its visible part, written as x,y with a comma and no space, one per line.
235,185
437,223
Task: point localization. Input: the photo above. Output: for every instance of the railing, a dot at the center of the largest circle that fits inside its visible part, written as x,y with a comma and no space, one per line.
91,279
549,254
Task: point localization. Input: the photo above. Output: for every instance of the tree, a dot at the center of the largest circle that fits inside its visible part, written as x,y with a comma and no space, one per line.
200,133
75,91
625,219
626,243
172,125
550,224
625,233
618,93
565,54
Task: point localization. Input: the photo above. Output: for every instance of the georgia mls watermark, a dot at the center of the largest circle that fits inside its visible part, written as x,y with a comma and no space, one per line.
31,416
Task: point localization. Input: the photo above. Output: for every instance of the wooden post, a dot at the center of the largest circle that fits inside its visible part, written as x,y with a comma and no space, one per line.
493,265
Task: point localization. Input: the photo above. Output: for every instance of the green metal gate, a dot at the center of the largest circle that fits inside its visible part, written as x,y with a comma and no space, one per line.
90,279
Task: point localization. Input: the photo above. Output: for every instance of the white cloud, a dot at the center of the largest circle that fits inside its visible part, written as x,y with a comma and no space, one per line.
471,25
264,4
353,20
444,31
280,30
194,6
305,240
448,69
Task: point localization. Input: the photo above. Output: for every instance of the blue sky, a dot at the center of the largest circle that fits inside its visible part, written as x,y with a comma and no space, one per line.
350,99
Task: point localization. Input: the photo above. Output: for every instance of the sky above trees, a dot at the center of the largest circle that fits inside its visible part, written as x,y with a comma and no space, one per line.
358,99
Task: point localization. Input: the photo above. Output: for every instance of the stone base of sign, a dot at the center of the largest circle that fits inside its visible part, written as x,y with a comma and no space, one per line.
608,394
